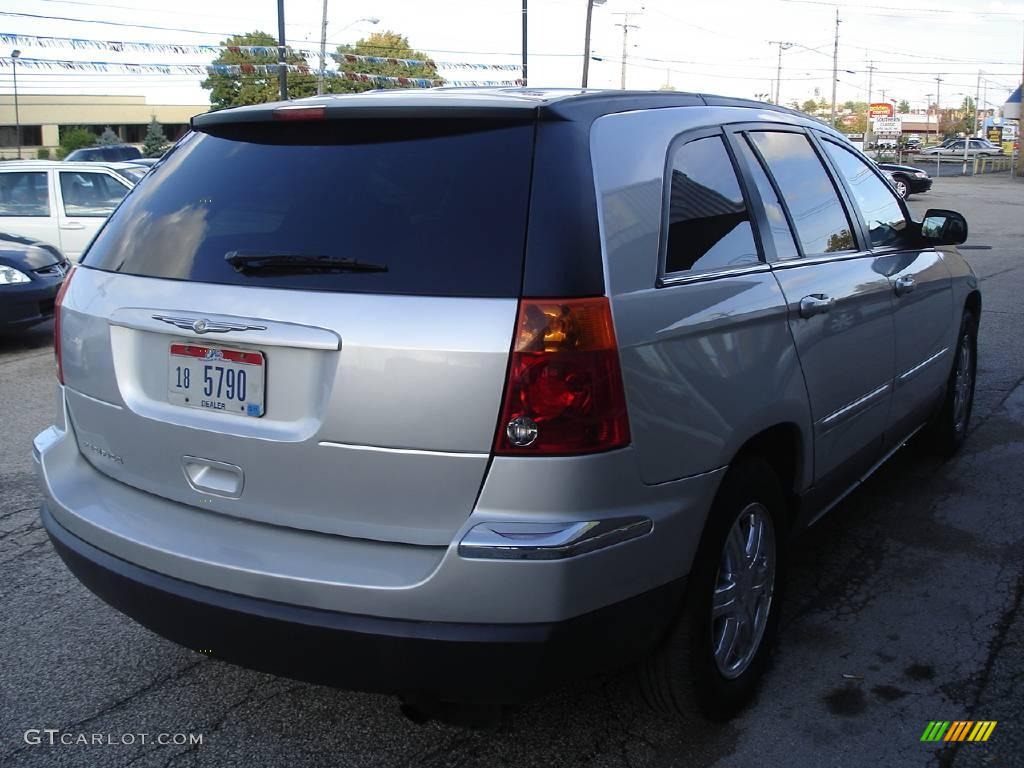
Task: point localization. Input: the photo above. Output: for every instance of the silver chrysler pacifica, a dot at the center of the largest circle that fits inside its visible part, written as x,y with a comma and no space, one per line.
457,394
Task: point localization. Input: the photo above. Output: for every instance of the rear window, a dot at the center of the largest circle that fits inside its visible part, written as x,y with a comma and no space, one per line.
442,206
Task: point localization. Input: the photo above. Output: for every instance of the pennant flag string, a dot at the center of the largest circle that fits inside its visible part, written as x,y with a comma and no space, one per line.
76,43
51,65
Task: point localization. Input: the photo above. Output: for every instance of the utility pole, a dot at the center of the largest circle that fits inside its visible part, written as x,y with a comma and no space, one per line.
1020,121
835,71
626,26
938,116
323,52
867,122
977,104
783,46
524,43
15,55
282,67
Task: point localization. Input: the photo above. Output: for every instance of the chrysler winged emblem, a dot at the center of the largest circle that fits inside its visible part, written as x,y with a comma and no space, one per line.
202,325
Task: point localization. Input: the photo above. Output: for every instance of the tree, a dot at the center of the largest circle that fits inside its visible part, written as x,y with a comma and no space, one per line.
810,107
969,111
108,137
155,143
74,137
903,107
387,44
255,87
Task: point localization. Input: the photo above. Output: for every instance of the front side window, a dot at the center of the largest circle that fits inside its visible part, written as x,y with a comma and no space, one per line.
24,193
90,194
886,223
818,215
708,222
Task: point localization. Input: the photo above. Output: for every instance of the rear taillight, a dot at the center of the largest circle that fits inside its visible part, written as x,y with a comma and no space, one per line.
56,322
564,393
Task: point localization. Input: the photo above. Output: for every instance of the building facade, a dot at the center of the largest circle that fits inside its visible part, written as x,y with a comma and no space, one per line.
43,116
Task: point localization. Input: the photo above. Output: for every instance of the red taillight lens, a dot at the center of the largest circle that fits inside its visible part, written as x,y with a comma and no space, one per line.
564,393
56,322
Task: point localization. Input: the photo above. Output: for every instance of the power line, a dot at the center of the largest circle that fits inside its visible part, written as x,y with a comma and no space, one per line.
854,6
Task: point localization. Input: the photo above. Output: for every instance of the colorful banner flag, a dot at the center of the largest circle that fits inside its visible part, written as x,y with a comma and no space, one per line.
78,43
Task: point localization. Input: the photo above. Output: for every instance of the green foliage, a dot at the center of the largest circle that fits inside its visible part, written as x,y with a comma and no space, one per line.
238,90
155,143
389,44
903,107
42,153
72,138
810,106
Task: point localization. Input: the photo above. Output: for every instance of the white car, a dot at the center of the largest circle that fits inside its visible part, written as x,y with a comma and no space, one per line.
59,203
977,147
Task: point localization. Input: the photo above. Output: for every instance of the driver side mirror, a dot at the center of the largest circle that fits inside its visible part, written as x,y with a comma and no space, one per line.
941,227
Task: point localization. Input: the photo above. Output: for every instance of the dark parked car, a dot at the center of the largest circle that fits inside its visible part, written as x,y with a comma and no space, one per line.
31,273
907,179
112,153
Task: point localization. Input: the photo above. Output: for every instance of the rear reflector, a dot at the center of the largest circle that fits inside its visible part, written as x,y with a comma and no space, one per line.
56,322
564,394
300,113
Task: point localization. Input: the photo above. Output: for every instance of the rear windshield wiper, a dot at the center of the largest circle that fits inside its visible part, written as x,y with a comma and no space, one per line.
283,263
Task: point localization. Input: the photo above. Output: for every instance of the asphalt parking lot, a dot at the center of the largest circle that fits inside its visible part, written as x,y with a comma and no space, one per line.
903,606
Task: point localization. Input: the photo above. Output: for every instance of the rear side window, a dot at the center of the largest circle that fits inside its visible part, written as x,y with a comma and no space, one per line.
708,222
818,215
785,246
443,207
882,213
24,193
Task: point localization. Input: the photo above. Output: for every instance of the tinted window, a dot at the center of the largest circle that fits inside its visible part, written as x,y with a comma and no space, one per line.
24,193
785,246
807,191
446,212
876,201
90,194
708,224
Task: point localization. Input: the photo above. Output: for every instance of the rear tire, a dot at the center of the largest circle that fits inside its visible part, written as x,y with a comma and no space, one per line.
720,645
949,427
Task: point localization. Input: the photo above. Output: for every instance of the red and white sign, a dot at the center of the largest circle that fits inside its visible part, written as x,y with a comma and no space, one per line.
881,109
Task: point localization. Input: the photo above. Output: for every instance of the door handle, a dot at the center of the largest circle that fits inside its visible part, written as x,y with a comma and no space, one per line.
905,284
816,304
73,225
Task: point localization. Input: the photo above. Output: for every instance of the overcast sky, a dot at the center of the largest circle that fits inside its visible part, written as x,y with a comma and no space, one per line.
716,47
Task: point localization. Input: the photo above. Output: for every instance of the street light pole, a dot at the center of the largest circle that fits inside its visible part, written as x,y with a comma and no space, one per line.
15,54
586,39
524,43
323,44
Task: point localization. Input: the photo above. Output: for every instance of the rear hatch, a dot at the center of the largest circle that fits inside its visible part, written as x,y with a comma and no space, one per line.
307,322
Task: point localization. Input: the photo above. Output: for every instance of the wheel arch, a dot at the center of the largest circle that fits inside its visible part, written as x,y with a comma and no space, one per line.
786,449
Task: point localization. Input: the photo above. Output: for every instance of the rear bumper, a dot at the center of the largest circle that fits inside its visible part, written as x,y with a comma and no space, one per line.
432,660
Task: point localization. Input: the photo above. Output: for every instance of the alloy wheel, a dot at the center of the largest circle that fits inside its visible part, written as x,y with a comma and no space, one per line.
743,593
963,383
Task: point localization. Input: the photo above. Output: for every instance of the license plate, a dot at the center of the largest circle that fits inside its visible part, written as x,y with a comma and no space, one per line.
217,379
